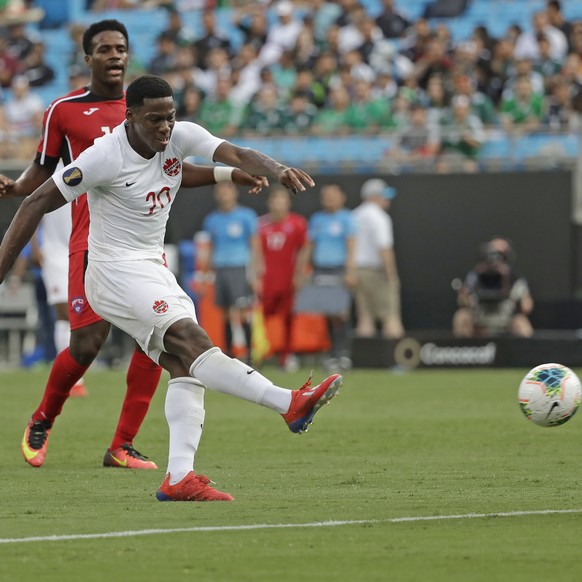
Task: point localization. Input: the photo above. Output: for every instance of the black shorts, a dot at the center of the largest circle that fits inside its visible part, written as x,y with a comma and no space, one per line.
232,288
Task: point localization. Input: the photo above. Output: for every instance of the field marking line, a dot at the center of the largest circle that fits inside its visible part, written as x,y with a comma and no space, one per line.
259,526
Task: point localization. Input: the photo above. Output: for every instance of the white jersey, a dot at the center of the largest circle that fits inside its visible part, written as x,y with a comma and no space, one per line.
56,232
130,196
373,233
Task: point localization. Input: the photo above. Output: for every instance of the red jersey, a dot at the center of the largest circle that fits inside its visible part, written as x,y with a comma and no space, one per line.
281,241
71,124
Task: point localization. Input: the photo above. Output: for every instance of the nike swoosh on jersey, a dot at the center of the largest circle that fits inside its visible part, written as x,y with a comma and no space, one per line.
128,184
91,111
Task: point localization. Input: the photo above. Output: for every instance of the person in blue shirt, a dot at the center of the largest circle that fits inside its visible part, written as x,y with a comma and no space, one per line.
232,230
330,249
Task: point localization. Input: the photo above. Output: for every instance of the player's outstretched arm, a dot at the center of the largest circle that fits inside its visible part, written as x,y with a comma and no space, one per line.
24,224
195,176
259,164
32,178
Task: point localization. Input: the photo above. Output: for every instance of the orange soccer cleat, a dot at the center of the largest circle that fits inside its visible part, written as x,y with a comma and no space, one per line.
34,442
191,488
306,401
126,457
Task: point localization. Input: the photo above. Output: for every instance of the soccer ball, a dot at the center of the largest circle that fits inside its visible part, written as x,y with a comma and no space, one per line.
550,394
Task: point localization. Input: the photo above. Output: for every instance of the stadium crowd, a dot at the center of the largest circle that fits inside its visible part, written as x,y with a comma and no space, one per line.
331,68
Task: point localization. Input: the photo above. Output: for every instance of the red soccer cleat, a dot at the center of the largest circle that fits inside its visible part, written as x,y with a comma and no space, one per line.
34,442
79,390
306,401
126,457
191,488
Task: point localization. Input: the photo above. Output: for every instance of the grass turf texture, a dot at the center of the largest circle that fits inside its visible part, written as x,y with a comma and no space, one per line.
418,444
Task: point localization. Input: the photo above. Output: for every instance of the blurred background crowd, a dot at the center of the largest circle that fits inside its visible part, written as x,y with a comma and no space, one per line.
445,83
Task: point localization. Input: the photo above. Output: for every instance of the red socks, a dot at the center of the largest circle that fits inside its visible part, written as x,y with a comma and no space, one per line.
143,376
65,373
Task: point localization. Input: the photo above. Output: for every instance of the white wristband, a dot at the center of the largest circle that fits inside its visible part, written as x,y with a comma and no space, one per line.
223,173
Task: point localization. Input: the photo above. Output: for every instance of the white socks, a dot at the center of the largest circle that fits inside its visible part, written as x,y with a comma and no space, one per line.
185,415
223,374
62,334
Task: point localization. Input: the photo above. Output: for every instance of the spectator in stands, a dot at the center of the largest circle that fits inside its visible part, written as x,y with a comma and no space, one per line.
494,299
8,64
347,9
433,60
499,69
545,65
246,75
77,56
558,111
23,112
420,141
386,59
461,138
284,73
251,20
524,68
35,68
437,99
175,28
211,39
20,40
377,288
299,115
265,115
324,15
282,236
354,61
526,46
217,65
481,104
353,34
190,103
399,116
523,108
324,71
233,257
306,84
330,249
282,35
164,61
385,87
416,42
557,20
391,21
332,120
218,113
366,114
306,50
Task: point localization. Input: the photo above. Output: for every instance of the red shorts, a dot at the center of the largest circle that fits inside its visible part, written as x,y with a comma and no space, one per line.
80,312
278,301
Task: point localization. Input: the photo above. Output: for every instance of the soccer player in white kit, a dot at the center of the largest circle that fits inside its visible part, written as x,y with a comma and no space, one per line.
54,248
132,177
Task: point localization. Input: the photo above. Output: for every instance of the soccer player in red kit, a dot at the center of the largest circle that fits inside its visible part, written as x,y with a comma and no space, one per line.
283,235
71,125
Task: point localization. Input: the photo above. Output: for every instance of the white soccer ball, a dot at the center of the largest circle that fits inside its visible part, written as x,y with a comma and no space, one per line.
550,394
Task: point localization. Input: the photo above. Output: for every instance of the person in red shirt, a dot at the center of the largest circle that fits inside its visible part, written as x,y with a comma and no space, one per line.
71,124
283,235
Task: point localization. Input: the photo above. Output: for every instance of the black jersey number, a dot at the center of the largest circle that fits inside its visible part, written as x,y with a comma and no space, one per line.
158,200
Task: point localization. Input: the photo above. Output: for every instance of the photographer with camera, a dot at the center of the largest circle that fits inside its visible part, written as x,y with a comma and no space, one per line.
494,299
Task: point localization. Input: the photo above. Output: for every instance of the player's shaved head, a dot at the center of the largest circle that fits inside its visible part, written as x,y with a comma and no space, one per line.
102,26
146,87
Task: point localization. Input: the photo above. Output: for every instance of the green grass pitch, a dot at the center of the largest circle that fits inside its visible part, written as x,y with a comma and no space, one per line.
419,444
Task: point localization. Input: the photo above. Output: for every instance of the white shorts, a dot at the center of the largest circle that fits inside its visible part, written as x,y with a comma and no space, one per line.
142,298
55,276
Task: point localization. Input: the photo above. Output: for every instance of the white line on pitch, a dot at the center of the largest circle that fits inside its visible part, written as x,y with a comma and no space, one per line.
259,526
